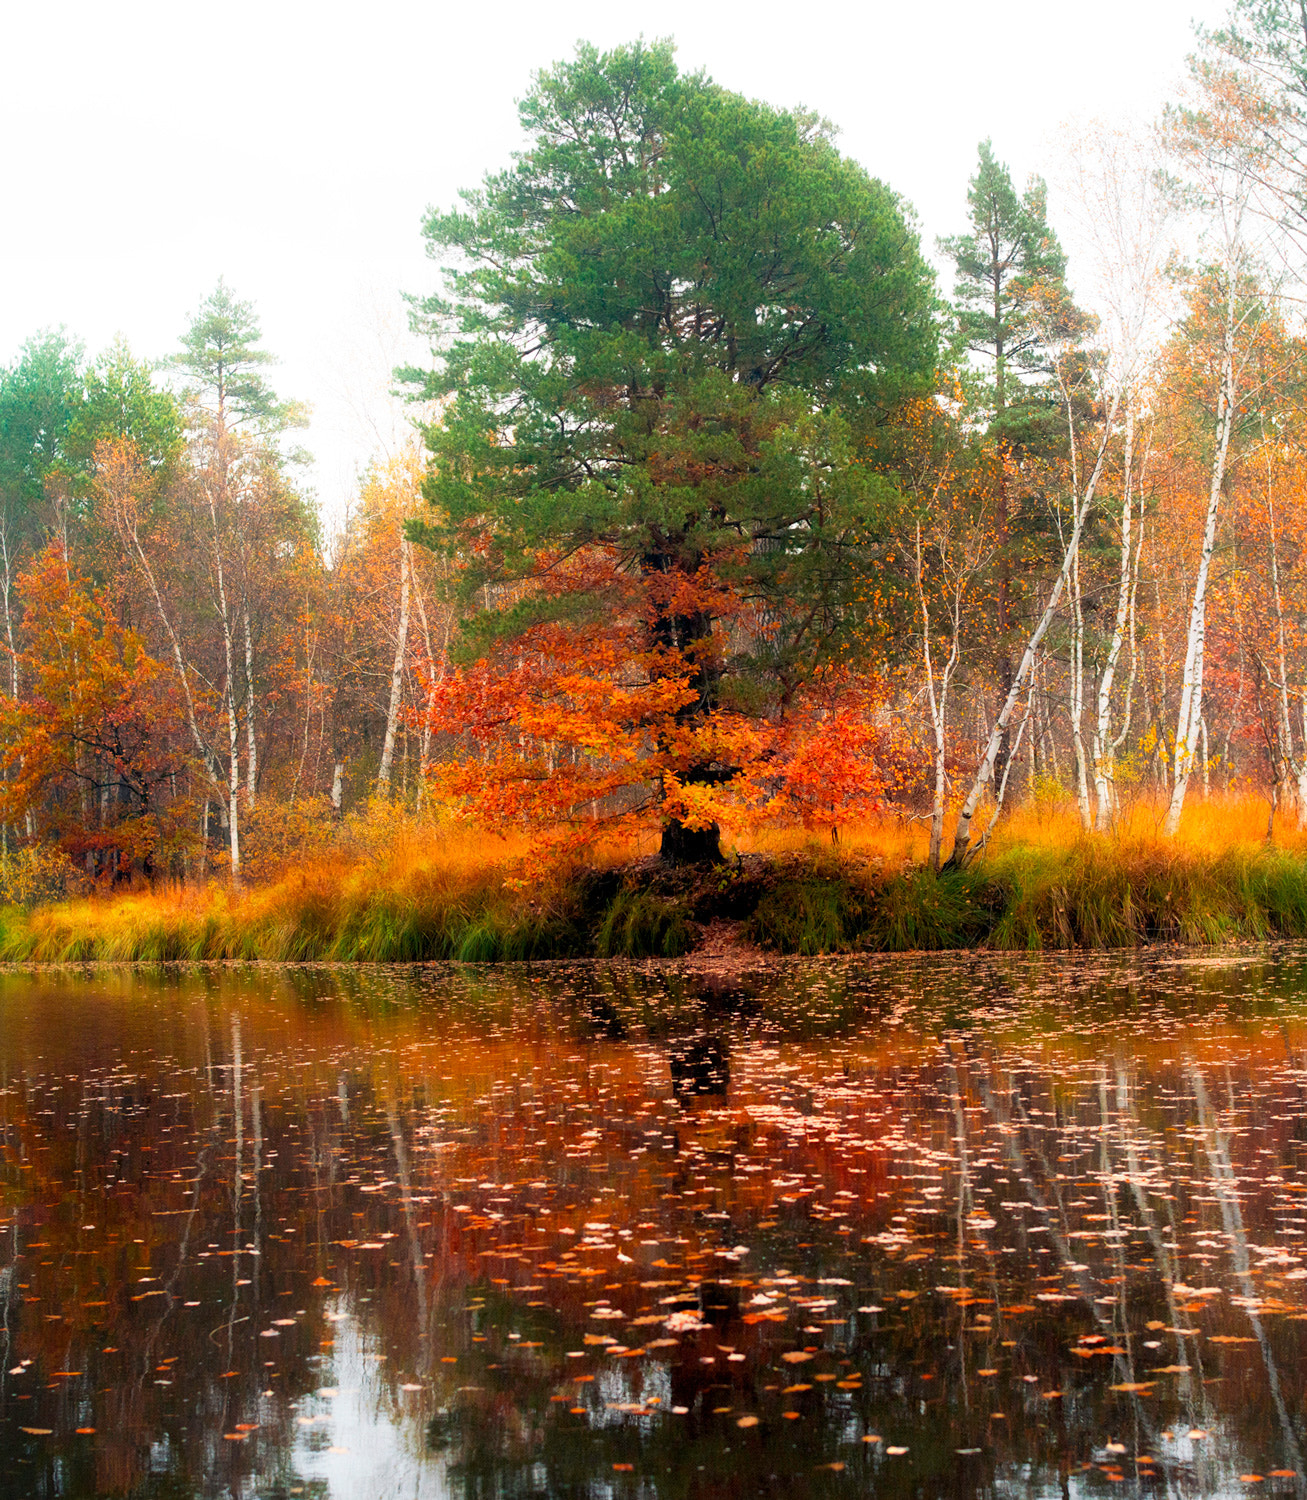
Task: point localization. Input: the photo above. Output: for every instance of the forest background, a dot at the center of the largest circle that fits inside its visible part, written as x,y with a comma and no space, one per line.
723,526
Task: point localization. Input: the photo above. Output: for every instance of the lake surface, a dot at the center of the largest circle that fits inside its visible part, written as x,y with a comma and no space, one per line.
917,1227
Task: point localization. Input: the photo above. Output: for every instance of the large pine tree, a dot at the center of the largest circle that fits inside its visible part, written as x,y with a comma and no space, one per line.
665,325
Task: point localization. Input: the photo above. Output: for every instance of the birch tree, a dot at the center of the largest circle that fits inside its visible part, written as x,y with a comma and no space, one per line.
237,423
949,549
1126,221
1130,550
397,670
1220,159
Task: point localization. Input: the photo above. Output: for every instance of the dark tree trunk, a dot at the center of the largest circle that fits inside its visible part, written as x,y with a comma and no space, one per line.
690,635
691,846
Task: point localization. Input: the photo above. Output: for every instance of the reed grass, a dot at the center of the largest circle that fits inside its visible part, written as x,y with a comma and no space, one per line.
423,892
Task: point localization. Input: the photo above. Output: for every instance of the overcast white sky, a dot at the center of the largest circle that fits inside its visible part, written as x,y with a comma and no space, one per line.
151,147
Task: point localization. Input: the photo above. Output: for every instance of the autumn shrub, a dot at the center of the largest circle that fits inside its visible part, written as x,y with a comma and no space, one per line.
36,875
277,835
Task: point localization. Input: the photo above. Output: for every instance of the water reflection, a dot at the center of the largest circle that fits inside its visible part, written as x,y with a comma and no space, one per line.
944,1227
700,1064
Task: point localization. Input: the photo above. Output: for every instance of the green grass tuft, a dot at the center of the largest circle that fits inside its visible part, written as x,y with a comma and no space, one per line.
640,924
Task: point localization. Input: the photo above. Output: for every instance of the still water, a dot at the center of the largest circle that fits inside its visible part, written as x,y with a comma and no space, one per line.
951,1227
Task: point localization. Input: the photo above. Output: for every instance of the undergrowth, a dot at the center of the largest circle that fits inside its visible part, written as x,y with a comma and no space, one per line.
1044,885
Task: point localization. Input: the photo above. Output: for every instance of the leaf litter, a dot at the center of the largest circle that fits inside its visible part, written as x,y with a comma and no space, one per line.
1074,1182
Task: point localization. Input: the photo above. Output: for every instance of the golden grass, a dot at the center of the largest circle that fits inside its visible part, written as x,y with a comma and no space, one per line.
395,889
1210,825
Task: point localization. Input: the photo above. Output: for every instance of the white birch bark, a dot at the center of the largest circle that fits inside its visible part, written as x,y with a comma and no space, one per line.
1076,703
9,619
937,700
1191,682
1104,746
233,726
251,742
396,671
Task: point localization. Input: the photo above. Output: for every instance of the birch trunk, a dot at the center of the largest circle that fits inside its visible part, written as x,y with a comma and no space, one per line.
396,673
1076,705
251,744
9,619
233,725
938,704
1104,746
1191,688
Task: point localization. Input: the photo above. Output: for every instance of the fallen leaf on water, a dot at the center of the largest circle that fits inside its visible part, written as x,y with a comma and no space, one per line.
894,1452
1133,1386
37,1431
747,1422
795,1356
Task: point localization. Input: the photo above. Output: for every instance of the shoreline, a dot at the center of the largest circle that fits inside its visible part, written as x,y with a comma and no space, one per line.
1083,895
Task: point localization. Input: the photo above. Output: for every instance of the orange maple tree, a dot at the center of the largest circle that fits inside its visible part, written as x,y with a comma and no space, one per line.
92,743
594,722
